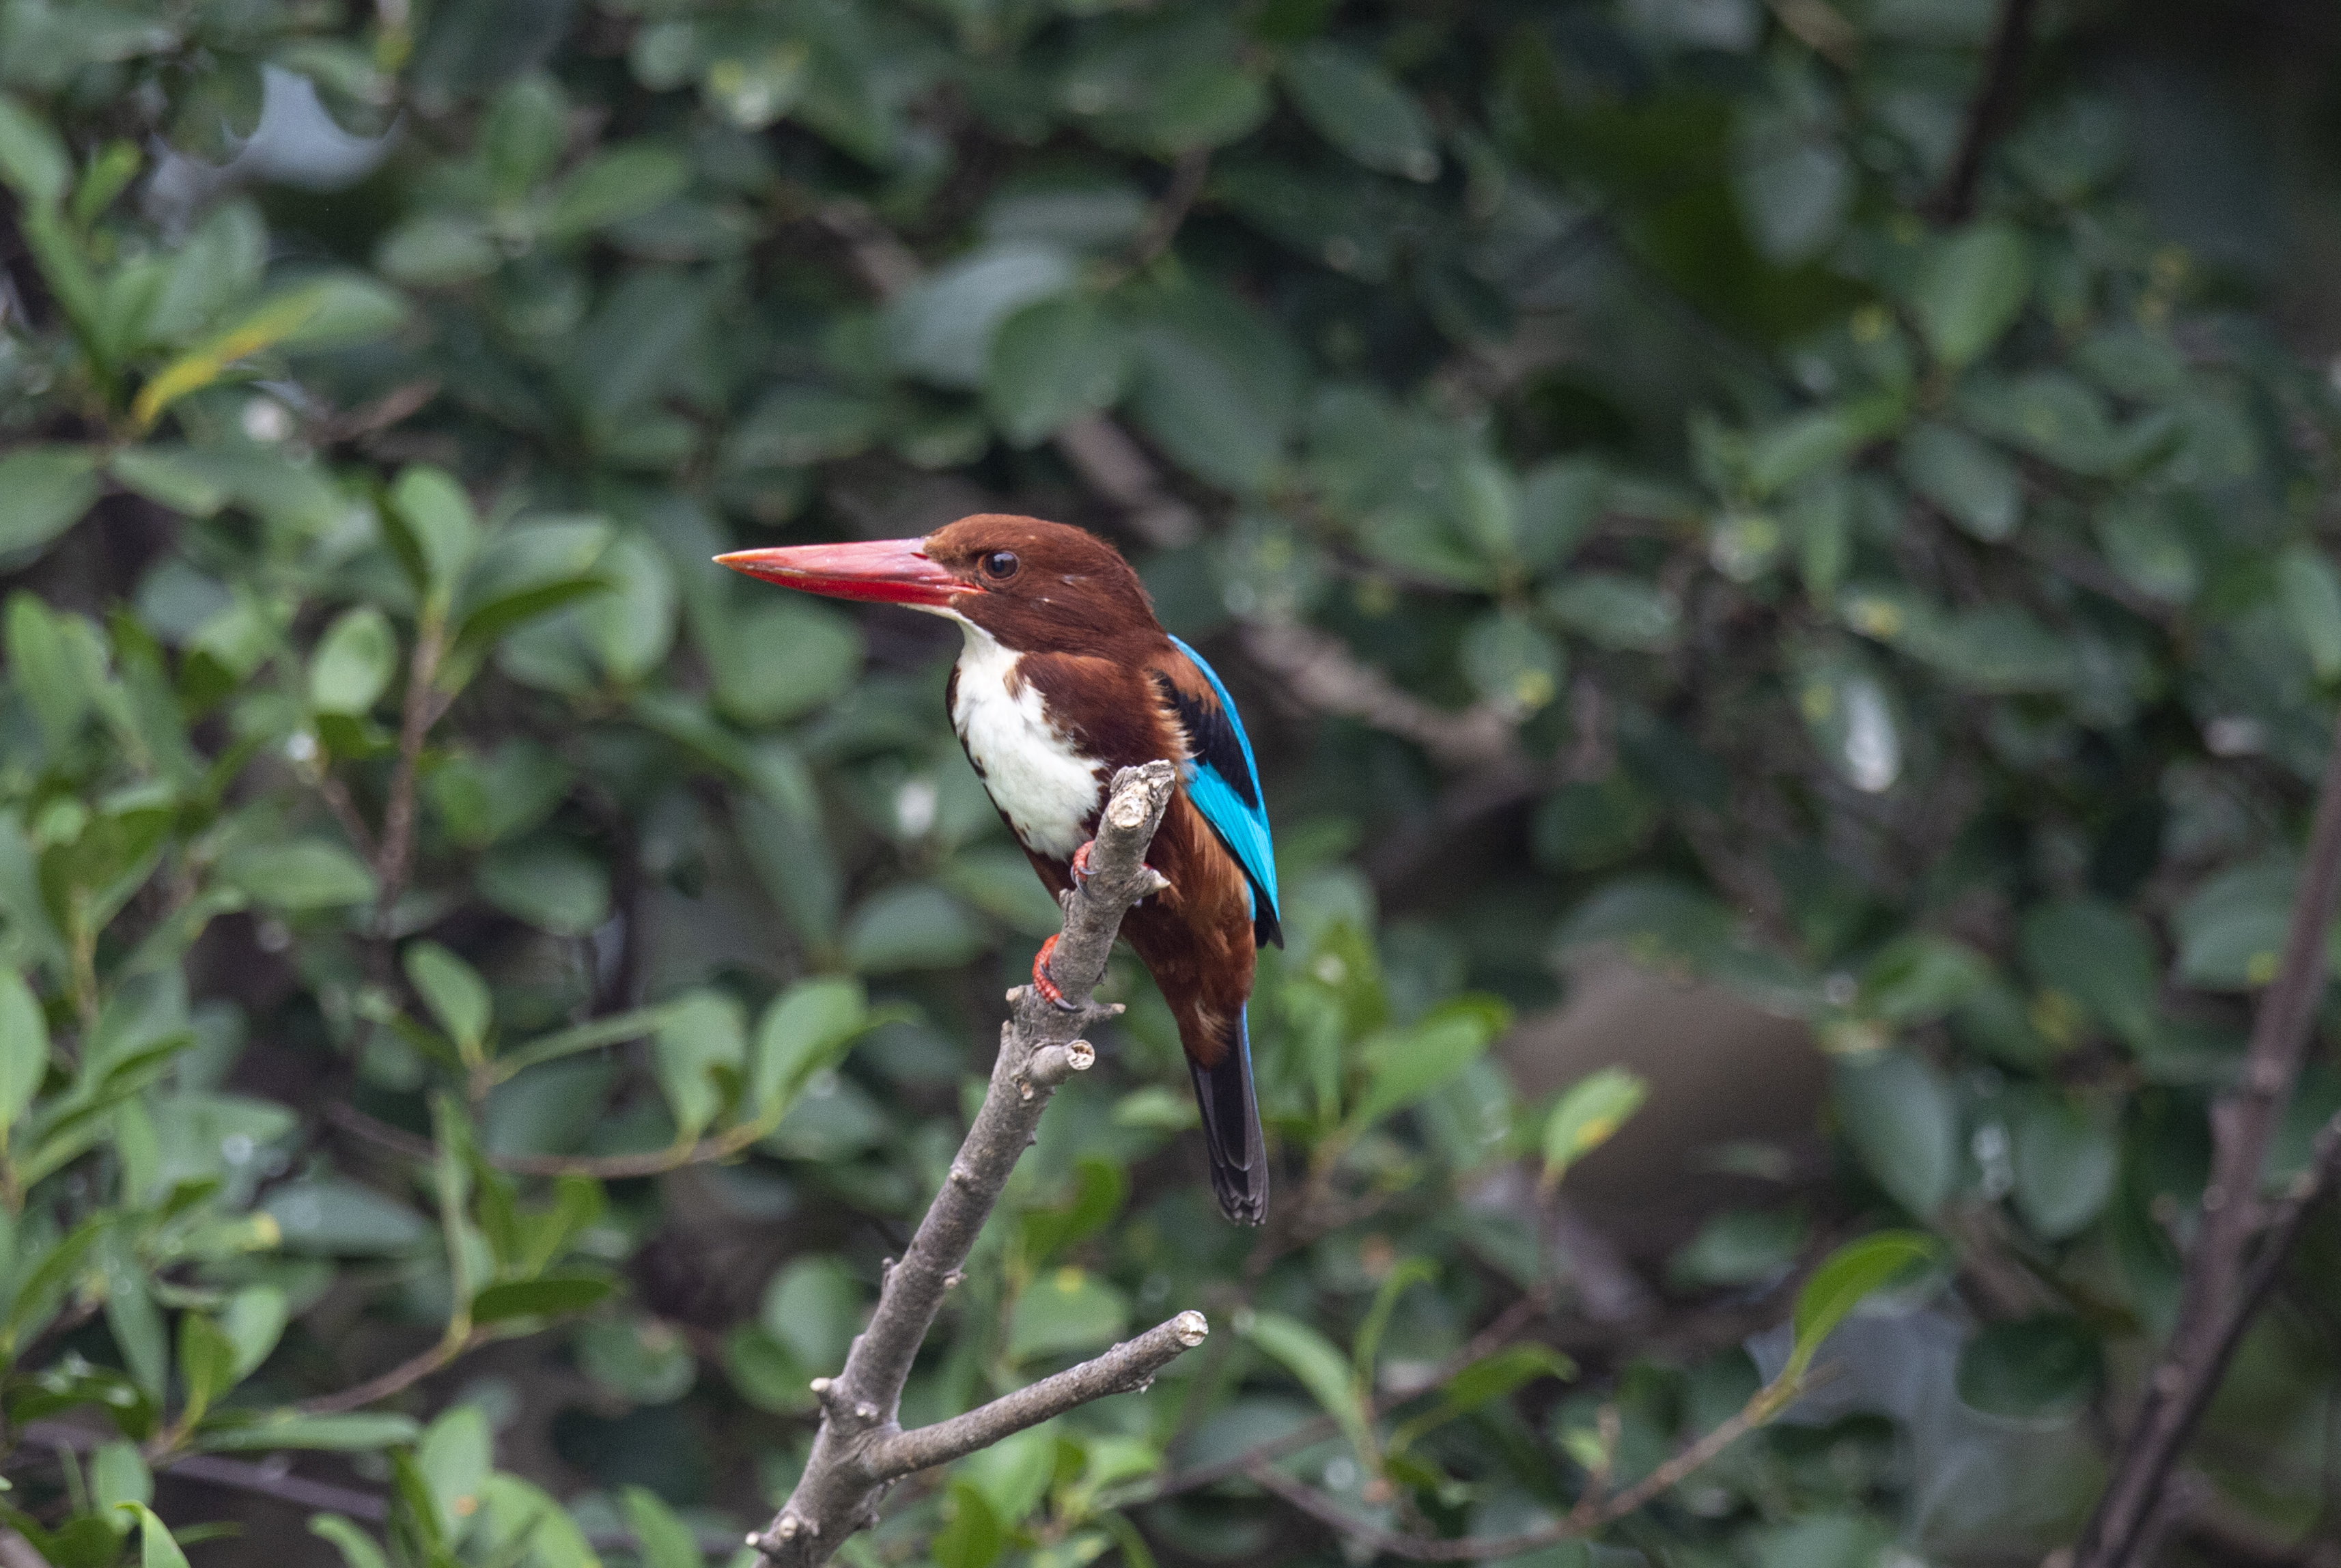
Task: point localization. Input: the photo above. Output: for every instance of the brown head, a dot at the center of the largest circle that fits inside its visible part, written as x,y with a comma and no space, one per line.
1038,587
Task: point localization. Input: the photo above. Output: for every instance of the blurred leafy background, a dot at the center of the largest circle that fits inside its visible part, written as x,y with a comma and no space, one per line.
1764,552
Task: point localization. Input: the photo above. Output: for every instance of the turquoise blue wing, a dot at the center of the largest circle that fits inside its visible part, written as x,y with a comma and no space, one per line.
1223,781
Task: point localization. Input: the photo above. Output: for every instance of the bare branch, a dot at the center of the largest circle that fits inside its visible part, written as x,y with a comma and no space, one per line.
242,1475
1322,673
1582,1520
1127,1368
859,1449
398,1379
2218,1295
1988,114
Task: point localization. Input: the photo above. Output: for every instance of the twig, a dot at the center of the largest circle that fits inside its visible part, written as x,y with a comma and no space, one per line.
394,859
2216,1296
1162,223
1499,1334
724,1145
1993,108
242,1475
859,1450
398,1379
1581,1521
1322,673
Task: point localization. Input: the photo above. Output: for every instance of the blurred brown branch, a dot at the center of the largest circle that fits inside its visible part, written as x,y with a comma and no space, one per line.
2223,1288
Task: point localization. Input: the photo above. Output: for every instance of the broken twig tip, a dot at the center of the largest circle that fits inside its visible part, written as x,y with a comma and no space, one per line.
1191,1327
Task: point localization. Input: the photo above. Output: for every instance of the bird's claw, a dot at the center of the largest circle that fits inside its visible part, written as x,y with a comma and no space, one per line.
1081,871
1043,983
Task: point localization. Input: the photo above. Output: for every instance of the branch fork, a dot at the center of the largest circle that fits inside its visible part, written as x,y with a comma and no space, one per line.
861,1449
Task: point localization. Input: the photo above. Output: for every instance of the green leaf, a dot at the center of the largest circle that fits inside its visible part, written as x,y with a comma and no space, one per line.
253,1321
357,1548
1970,291
1899,1116
156,1549
1403,1066
360,1434
2311,593
2144,541
701,1055
2231,930
44,491
1974,486
943,328
33,161
1352,102
1846,1278
206,1363
662,1540
554,1297
2066,1160
455,993
781,658
1615,611
2048,1367
329,1215
1318,1367
118,1474
432,250
1065,1311
353,662
910,925
438,523
2102,956
1051,363
23,1050
1595,1106
455,1460
301,875
814,1307
804,1030
1494,1376
614,184
972,1536
549,884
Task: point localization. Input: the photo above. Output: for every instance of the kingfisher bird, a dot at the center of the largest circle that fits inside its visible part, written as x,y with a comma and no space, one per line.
1065,677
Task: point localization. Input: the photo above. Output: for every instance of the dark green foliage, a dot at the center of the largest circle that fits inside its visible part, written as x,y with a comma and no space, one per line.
437,907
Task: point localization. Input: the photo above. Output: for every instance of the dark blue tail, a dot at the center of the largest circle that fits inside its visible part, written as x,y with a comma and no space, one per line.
1231,1133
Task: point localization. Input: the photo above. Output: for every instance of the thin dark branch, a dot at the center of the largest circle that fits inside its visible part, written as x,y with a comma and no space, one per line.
397,1380
1162,223
1988,114
242,1475
859,1449
1499,1334
1582,1520
724,1145
2219,1291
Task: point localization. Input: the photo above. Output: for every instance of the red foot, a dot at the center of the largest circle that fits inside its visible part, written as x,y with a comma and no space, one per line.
1042,982
1079,866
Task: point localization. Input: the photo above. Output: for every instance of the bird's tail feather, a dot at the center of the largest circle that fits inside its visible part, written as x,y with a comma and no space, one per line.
1231,1133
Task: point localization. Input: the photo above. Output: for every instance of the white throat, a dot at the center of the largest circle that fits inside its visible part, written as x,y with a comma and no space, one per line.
1045,788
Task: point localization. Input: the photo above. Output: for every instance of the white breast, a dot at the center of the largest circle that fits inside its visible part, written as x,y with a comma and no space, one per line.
1046,789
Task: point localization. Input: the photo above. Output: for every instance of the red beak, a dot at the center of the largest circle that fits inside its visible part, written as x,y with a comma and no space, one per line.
884,571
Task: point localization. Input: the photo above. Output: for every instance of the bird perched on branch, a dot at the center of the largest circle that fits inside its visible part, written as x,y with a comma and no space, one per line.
1065,677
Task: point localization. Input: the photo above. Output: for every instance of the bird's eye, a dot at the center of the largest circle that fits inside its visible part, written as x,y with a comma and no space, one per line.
999,566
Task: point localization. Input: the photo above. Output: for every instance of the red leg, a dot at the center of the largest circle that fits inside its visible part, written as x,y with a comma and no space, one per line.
1042,980
1079,866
